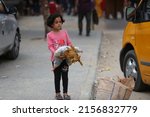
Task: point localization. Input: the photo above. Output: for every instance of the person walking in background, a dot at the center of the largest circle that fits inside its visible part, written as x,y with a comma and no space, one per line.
113,7
45,13
65,5
103,6
59,6
132,3
98,7
84,8
71,6
52,7
36,7
56,38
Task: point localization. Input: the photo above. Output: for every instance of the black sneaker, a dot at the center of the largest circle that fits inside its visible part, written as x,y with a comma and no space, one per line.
67,97
59,97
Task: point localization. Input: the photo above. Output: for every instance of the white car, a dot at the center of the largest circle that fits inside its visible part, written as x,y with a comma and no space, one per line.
9,32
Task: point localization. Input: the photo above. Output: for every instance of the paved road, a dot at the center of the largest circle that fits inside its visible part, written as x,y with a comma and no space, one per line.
30,76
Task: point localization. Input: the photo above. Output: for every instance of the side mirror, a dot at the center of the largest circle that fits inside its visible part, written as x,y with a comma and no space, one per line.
12,10
130,13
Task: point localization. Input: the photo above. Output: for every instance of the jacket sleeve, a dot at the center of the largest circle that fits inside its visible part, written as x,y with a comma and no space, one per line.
50,44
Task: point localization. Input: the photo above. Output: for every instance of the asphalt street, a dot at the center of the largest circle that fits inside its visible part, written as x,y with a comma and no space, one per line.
30,76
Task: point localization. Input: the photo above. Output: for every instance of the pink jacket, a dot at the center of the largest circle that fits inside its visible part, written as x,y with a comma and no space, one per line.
57,39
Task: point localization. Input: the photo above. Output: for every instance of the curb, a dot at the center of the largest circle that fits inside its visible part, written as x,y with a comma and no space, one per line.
86,90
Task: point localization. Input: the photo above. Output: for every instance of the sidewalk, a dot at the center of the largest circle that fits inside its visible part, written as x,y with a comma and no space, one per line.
80,78
111,44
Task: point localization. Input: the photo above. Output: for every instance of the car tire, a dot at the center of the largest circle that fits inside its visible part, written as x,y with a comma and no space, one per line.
14,52
131,68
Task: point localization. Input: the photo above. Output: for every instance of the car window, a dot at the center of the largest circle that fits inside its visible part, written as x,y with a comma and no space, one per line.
2,9
148,4
147,11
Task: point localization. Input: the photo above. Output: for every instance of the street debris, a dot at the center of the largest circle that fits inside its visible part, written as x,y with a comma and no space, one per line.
113,89
17,66
3,76
104,69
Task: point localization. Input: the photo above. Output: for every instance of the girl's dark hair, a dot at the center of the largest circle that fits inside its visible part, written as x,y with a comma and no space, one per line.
51,18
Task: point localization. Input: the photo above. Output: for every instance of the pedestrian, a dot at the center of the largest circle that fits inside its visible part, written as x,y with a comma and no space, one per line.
36,7
131,3
56,38
98,7
52,7
71,6
59,6
84,8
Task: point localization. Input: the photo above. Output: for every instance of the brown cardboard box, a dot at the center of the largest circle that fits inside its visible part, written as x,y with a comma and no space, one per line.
109,89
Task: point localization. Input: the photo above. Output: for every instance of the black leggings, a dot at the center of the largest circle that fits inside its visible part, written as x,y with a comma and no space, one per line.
88,22
61,72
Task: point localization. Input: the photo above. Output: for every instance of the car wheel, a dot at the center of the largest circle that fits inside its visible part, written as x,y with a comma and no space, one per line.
131,68
14,52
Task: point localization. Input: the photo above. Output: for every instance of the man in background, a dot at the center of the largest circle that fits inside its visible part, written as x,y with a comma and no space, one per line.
84,8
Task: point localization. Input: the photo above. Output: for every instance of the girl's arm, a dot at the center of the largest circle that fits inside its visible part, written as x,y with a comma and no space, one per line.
50,44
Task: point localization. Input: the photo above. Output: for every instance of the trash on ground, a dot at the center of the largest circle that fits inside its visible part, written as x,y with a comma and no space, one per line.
113,89
104,69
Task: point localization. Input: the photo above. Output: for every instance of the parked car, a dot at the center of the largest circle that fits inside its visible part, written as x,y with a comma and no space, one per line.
9,32
135,53
19,4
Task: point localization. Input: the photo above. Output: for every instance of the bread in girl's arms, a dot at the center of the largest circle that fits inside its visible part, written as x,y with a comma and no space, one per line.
70,53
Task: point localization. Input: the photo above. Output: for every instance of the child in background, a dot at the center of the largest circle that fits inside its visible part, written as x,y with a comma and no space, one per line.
52,7
55,39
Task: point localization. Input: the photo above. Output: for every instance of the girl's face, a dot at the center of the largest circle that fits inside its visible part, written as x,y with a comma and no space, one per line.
57,25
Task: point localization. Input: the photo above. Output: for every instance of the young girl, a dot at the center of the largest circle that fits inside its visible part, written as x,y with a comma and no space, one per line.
57,38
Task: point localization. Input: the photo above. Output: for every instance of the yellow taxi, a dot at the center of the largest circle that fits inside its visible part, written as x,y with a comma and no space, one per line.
135,53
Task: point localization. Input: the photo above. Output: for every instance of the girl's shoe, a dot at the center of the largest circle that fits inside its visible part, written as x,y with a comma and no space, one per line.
67,97
59,97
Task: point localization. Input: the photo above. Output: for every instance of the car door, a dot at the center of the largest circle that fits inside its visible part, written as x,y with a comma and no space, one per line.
143,41
1,32
5,42
10,26
2,23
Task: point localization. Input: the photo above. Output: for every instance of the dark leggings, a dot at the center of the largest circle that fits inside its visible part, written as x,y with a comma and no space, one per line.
61,72
88,22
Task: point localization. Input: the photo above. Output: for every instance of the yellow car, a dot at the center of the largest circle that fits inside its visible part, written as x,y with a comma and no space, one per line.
135,53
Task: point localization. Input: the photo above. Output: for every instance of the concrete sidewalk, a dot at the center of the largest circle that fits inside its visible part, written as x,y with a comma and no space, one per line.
80,78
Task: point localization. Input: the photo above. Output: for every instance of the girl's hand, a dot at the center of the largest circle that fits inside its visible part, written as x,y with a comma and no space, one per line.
61,57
